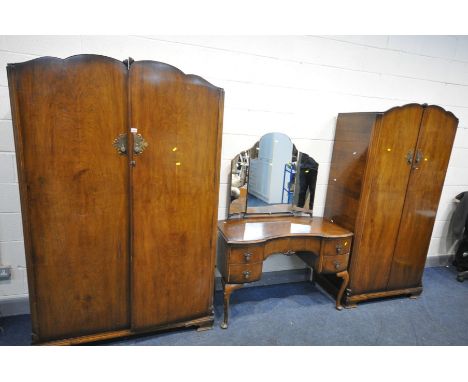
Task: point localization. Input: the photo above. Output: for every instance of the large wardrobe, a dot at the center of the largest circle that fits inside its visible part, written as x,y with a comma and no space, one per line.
386,178
118,167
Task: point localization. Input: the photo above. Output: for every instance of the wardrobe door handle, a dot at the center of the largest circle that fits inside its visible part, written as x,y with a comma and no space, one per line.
120,143
139,144
409,157
418,158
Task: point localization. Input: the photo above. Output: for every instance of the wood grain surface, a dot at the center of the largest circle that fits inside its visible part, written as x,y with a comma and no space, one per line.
74,192
175,193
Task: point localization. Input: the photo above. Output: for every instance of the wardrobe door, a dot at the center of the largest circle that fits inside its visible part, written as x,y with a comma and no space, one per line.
74,196
433,150
175,194
395,138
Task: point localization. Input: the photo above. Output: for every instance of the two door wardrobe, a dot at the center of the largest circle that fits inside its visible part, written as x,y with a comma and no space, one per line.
118,195
386,178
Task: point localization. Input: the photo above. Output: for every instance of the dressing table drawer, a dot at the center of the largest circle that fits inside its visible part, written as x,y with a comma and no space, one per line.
246,255
244,273
334,264
335,247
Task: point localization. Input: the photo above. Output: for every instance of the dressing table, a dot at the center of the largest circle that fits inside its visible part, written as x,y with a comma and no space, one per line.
261,224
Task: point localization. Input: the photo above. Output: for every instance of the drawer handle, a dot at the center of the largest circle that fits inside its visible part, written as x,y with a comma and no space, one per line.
247,256
337,264
246,274
339,249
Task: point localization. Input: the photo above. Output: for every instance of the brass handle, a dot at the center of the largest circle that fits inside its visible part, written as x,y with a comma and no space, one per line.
246,274
139,144
339,249
409,157
289,253
337,264
247,256
120,143
417,159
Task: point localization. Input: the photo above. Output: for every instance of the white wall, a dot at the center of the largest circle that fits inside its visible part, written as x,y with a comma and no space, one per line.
295,85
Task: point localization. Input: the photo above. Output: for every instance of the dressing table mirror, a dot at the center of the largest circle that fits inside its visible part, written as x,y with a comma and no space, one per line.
271,197
272,177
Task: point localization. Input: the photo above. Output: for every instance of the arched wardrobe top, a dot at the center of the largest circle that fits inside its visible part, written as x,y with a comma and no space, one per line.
118,166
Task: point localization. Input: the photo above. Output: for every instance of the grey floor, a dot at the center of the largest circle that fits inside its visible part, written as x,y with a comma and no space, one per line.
301,314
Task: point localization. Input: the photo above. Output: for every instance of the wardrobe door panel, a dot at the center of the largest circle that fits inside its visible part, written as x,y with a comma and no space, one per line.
433,150
74,192
175,194
349,161
397,132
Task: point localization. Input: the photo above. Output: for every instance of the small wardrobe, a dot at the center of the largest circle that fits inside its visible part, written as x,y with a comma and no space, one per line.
386,178
118,168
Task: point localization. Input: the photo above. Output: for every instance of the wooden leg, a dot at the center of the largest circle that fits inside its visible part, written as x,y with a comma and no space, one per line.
205,326
228,289
208,324
345,276
414,296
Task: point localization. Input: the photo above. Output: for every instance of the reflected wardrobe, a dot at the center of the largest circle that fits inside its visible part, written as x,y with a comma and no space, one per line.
118,168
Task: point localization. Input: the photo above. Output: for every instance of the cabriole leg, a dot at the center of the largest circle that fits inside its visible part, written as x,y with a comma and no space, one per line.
345,276
228,289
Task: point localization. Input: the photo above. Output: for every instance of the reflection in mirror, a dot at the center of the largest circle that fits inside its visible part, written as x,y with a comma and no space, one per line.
306,179
239,175
272,177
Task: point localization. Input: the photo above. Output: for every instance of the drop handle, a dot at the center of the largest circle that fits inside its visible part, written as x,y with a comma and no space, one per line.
120,144
339,249
337,264
417,159
246,274
139,144
247,256
409,157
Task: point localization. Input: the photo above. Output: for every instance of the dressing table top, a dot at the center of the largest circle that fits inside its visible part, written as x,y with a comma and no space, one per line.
260,229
